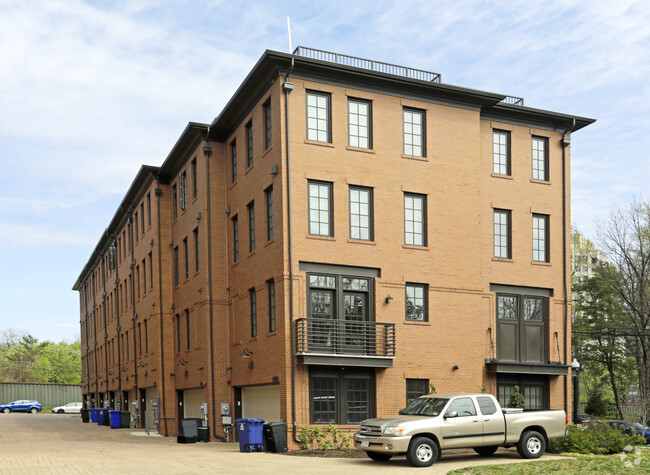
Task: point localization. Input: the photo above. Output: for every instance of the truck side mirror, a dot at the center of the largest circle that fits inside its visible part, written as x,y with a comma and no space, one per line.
451,414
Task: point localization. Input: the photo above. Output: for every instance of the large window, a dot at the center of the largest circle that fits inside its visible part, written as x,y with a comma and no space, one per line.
270,223
359,123
187,328
174,202
195,185
233,161
251,226
416,302
502,246
361,218
186,256
415,219
195,233
249,144
182,190
320,208
533,387
521,321
540,158
416,388
341,397
501,152
268,127
318,117
414,135
253,300
176,265
540,238
235,239
271,288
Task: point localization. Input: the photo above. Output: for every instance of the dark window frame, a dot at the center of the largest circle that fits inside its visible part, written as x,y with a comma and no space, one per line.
187,327
342,379
414,388
541,255
195,182
268,124
328,120
501,161
249,143
497,245
539,164
312,212
252,294
233,161
425,301
270,284
251,226
411,235
370,216
368,126
176,265
174,202
423,135
235,238
186,255
182,190
270,220
197,262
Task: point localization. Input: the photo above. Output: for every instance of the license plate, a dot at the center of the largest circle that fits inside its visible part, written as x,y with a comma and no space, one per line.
365,443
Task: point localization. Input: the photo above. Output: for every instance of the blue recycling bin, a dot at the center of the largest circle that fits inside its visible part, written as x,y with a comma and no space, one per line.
102,417
93,414
114,417
251,434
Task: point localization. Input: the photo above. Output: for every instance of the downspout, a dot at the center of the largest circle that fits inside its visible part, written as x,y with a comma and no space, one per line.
95,346
117,314
207,151
135,315
158,192
287,87
105,328
566,141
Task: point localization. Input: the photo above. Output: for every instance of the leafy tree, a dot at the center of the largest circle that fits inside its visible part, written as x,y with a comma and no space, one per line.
517,399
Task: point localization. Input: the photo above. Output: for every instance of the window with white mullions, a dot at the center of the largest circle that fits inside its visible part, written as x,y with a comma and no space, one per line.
320,208
318,117
414,219
540,158
359,123
361,213
414,136
501,152
540,238
502,247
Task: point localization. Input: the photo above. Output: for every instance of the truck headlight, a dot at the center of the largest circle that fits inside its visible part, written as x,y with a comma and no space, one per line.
394,430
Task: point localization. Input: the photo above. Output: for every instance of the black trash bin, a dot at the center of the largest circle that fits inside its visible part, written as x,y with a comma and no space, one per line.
85,415
125,419
204,434
275,436
190,429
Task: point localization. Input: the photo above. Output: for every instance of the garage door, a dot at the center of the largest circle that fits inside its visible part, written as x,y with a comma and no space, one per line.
192,400
261,402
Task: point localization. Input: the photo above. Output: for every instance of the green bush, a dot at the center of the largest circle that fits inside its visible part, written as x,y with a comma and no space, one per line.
597,404
594,439
517,399
323,438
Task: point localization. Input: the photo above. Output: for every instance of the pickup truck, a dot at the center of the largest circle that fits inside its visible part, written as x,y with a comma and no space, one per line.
438,422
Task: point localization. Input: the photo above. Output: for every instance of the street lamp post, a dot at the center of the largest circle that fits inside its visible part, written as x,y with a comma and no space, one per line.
575,366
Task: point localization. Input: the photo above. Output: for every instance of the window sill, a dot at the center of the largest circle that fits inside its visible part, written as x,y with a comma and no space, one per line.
250,254
360,149
269,242
415,248
540,263
248,169
418,323
414,157
503,177
321,144
232,185
320,238
541,182
234,264
267,151
502,259
362,241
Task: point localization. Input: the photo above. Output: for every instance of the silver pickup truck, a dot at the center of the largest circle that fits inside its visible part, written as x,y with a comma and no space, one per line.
438,422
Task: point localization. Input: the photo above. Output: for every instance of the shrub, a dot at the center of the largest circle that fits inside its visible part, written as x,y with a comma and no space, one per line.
517,399
597,404
594,439
323,438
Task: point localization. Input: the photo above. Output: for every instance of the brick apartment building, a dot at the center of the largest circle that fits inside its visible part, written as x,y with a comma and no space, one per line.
345,236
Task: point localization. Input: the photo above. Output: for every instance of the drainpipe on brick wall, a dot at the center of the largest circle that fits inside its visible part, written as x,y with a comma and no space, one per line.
135,315
158,192
565,143
117,315
105,326
287,87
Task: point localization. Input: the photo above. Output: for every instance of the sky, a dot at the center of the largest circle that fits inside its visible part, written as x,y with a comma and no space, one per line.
91,90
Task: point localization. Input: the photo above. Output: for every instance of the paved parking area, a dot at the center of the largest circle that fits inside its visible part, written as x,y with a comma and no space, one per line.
62,444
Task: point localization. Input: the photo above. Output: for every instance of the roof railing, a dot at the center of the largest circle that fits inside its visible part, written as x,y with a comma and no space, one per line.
362,63
515,101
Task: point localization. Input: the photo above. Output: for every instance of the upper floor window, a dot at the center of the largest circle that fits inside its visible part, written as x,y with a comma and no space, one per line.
415,219
195,233
233,161
540,158
175,202
416,302
182,190
359,123
251,226
268,128
502,246
186,256
176,280
235,239
361,213
195,185
501,152
270,223
249,144
271,287
414,136
320,208
540,238
318,117
253,301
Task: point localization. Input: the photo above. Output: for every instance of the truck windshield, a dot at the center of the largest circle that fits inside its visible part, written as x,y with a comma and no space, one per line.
424,406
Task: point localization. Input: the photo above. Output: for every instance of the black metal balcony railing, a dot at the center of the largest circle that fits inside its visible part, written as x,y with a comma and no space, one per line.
367,64
516,101
342,337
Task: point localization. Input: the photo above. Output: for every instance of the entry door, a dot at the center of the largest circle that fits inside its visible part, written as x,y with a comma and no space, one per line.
323,313
355,305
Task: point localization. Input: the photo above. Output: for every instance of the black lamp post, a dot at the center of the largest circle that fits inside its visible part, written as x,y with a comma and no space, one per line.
575,366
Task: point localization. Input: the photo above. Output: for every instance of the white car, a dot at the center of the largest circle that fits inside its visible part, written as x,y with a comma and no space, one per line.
70,408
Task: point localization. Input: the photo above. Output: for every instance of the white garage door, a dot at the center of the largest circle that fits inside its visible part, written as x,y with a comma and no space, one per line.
261,402
192,400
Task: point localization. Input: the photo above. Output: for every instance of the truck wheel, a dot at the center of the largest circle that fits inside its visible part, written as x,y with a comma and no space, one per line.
379,456
422,452
486,451
531,445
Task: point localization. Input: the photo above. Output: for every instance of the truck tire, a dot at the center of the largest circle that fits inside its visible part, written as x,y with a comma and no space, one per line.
532,445
486,451
422,452
379,456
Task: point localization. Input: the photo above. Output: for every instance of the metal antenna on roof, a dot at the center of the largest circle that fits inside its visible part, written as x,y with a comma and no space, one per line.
289,30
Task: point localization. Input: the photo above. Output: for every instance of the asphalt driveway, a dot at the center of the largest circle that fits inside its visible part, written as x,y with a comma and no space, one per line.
62,444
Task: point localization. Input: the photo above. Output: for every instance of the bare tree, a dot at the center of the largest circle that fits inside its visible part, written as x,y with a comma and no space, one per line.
625,239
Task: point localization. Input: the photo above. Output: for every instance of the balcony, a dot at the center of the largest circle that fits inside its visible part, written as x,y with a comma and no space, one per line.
344,342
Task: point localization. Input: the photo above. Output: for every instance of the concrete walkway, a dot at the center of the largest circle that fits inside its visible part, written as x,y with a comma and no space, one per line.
62,444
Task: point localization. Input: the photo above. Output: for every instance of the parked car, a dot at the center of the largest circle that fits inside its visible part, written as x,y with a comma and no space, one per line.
433,423
70,408
632,428
586,419
22,405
